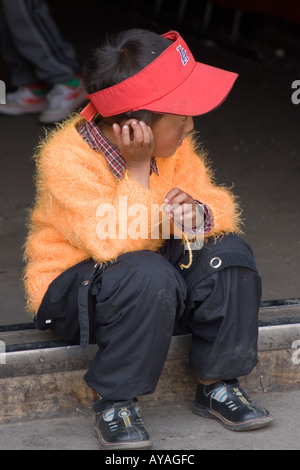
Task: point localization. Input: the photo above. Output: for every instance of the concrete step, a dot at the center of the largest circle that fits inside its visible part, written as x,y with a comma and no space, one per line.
41,376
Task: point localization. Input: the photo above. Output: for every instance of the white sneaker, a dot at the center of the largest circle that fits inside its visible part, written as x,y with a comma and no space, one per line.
23,101
61,101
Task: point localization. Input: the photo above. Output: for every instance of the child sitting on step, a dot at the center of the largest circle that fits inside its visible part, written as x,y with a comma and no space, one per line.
100,266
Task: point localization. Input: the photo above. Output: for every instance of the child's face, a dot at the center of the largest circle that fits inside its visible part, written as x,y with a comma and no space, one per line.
169,132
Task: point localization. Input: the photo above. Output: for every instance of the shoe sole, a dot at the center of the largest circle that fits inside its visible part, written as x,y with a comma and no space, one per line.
119,446
241,426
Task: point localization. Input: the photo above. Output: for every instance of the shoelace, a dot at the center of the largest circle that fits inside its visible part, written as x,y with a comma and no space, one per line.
113,425
221,395
231,405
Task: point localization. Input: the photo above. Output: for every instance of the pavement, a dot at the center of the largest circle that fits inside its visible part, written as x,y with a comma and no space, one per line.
174,428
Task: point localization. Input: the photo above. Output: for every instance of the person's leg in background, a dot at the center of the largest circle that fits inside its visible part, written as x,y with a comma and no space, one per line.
39,60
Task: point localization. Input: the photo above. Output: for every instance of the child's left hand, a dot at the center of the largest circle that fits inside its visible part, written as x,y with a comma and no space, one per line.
182,208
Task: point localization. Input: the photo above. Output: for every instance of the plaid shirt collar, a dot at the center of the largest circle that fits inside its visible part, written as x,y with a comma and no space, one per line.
91,133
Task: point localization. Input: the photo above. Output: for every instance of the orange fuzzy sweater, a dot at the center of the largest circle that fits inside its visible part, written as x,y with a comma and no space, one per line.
73,180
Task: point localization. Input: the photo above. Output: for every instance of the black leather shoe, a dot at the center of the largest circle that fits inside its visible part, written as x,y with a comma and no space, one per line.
228,402
119,425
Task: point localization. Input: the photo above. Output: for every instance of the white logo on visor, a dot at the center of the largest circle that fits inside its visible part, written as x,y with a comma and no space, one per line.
183,55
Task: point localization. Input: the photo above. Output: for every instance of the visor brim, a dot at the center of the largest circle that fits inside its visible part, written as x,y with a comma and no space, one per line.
203,91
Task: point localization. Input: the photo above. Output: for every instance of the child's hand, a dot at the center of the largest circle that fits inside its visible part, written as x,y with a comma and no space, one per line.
182,208
135,141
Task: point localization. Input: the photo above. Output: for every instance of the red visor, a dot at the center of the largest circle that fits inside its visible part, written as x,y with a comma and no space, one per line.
174,83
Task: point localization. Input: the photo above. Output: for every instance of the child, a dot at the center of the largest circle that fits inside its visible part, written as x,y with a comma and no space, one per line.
98,272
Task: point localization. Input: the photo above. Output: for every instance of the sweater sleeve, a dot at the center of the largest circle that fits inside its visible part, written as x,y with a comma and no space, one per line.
77,198
194,177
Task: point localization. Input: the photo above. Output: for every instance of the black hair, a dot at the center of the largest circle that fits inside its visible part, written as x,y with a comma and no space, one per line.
121,56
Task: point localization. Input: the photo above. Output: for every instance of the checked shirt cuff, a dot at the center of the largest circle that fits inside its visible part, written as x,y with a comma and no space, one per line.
208,220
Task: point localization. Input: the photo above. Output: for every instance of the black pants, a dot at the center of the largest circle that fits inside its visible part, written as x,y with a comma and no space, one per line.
137,303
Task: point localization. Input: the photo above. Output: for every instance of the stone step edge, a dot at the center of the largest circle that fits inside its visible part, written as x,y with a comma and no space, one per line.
48,383
63,358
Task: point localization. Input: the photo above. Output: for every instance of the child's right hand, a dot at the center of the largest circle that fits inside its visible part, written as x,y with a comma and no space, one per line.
135,141
136,144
